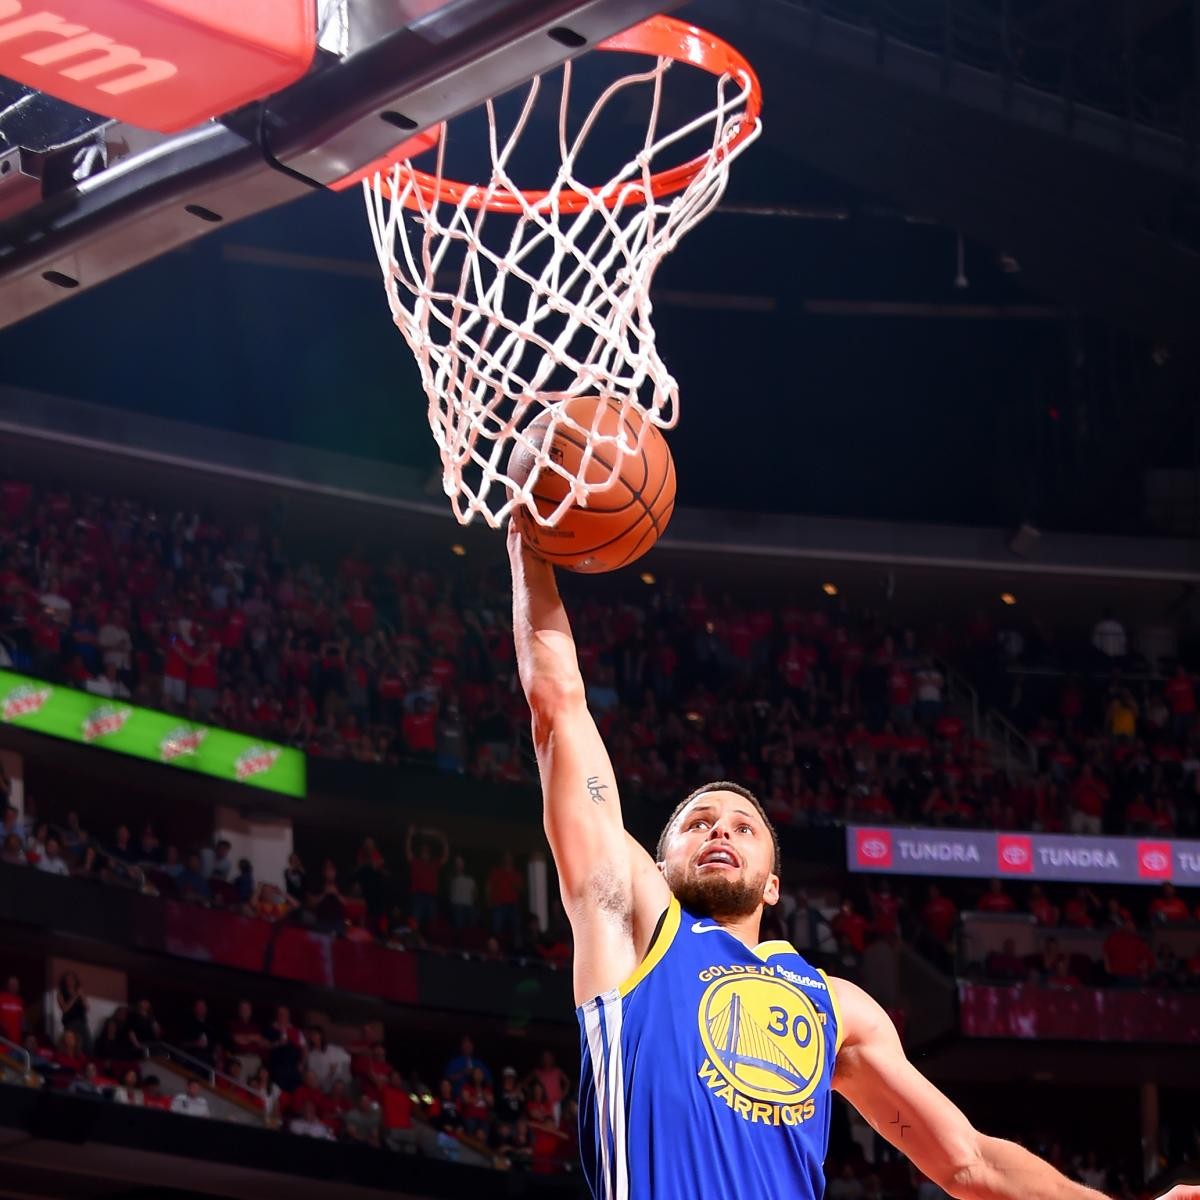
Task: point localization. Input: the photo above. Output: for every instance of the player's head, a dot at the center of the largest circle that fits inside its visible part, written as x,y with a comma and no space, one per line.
719,853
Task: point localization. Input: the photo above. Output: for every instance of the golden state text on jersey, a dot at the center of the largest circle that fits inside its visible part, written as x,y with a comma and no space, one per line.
708,1072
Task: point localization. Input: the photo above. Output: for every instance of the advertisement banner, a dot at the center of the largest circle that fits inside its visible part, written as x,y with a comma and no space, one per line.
282,950
1078,1014
893,850
144,733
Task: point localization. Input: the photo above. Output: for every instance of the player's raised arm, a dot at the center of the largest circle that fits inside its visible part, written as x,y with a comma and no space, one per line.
611,889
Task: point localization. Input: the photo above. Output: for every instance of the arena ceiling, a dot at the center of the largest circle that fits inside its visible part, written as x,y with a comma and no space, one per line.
839,350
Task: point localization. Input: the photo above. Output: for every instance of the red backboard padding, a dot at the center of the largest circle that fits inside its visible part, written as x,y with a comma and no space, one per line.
158,64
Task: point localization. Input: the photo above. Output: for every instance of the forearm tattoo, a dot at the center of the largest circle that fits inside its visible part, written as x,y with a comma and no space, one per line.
595,788
902,1127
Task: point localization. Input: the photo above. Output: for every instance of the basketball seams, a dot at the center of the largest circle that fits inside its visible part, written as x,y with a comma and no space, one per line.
577,551
638,534
654,524
647,517
635,493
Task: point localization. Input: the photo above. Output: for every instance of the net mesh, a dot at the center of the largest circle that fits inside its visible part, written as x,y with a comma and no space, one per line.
514,302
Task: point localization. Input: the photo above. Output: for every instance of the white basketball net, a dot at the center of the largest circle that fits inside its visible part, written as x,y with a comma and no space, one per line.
511,314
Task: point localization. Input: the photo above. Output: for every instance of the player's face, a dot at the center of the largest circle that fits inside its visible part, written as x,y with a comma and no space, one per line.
719,857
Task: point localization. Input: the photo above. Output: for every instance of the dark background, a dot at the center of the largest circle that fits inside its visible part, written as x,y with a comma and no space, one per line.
1048,408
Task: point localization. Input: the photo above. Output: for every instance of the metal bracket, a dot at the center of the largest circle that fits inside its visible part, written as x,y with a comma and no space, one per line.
163,193
326,126
20,183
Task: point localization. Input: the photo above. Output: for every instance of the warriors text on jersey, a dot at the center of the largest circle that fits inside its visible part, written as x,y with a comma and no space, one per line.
707,1073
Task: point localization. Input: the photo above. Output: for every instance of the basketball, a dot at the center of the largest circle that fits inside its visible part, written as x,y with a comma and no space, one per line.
621,521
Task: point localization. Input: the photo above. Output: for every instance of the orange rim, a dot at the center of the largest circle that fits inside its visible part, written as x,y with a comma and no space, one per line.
659,37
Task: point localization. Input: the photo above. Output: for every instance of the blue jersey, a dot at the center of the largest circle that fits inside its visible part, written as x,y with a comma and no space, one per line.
707,1073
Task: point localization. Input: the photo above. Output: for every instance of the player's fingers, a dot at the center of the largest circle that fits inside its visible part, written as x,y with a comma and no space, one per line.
520,545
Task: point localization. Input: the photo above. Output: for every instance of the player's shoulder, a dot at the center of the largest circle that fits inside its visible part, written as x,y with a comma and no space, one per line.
860,1017
776,947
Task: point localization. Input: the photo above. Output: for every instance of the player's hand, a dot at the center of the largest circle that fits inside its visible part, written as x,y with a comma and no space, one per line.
518,547
1182,1191
515,540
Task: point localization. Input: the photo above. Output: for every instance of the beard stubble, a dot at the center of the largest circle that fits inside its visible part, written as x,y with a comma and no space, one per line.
713,895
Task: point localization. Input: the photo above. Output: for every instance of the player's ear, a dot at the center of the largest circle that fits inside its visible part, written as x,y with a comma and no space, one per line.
771,891
662,867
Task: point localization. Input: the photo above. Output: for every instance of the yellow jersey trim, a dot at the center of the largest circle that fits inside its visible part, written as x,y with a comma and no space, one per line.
837,1011
658,947
764,950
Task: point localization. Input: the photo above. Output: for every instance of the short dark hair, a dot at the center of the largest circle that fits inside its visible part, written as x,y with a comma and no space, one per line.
721,785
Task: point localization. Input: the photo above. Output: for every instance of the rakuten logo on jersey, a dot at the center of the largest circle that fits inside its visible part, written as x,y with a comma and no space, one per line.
873,848
1154,860
1014,854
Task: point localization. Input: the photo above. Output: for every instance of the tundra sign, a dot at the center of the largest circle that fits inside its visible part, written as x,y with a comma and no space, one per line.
892,850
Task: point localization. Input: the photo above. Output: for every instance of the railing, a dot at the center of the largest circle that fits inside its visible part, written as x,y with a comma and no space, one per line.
1015,752
961,695
206,1071
1085,60
10,1050
1096,674
929,998
981,934
1012,752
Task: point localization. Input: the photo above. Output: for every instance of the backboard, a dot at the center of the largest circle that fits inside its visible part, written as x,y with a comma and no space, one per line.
86,193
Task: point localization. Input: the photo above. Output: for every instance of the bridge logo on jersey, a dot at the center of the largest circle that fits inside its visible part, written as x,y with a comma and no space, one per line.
765,1047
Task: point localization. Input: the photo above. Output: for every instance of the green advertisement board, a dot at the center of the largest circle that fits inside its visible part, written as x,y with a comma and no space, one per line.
144,733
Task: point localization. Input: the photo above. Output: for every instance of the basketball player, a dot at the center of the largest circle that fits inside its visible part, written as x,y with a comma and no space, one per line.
709,1058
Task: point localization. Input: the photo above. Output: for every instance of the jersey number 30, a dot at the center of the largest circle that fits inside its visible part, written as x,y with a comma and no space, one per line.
801,1030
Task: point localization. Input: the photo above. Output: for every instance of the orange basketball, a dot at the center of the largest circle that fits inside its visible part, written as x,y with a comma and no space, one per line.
623,520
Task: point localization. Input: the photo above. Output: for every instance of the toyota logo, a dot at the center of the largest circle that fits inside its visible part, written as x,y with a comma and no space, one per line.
875,848
1155,860
1015,856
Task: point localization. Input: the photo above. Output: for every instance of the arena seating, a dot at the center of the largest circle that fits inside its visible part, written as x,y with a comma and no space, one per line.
328,1080
832,714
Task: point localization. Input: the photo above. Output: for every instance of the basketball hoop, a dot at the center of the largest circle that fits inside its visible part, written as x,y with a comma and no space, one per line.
555,302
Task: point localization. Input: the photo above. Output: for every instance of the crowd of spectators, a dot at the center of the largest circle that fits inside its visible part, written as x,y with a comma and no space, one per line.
830,714
434,900
929,916
438,903
371,661
240,1063
431,899
1114,730
299,1080
385,661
